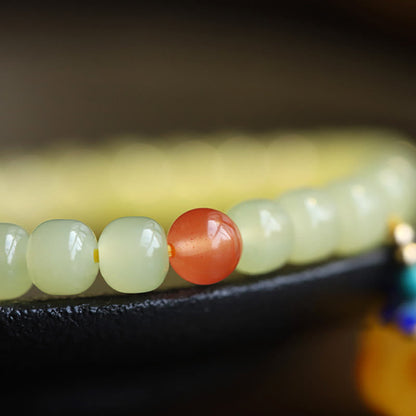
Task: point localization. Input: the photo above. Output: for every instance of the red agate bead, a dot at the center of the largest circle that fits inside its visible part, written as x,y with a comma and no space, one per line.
205,246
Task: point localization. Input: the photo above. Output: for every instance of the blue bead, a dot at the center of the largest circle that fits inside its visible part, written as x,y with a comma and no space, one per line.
387,313
408,281
406,317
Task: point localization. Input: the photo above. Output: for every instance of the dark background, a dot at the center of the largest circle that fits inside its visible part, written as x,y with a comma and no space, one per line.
76,72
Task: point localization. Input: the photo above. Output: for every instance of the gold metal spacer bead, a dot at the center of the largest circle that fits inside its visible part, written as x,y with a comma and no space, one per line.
403,234
407,254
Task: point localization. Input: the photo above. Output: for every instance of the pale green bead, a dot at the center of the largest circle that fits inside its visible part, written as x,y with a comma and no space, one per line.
133,254
361,215
267,235
396,179
60,257
313,215
14,279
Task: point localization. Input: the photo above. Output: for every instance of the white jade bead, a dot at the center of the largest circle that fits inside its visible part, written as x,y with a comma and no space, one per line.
267,235
133,254
313,215
361,215
60,257
14,279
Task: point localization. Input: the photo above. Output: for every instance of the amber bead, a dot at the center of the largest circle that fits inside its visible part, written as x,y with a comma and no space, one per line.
205,246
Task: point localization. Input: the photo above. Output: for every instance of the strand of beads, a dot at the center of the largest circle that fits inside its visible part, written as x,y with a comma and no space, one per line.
62,257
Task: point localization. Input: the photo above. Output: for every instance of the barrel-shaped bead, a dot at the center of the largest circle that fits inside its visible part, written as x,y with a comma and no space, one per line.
361,215
14,278
61,257
267,234
396,179
133,254
205,246
314,219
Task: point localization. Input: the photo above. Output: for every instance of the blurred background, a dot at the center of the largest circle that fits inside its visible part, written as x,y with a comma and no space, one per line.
80,75
80,72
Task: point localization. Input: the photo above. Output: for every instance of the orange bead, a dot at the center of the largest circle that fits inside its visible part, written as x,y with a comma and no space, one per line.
205,246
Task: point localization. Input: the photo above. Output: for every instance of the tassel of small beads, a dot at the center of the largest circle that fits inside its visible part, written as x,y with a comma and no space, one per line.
401,310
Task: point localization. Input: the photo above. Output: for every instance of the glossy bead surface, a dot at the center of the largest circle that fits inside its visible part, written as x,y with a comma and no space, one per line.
313,216
60,257
408,281
133,254
205,246
361,215
396,178
14,279
267,235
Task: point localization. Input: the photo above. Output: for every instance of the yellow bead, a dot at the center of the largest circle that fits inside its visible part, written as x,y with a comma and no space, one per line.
60,257
384,369
14,279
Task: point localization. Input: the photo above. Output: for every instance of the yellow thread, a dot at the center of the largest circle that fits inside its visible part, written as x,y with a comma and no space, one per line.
96,256
393,222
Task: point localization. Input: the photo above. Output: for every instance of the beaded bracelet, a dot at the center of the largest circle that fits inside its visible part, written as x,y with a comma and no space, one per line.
351,215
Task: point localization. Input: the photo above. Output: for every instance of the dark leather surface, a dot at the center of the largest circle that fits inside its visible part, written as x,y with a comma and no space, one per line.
119,354
183,322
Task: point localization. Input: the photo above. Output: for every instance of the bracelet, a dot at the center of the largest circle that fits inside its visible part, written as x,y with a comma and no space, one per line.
204,246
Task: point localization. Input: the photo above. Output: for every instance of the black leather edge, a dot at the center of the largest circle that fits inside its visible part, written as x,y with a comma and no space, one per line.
185,322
